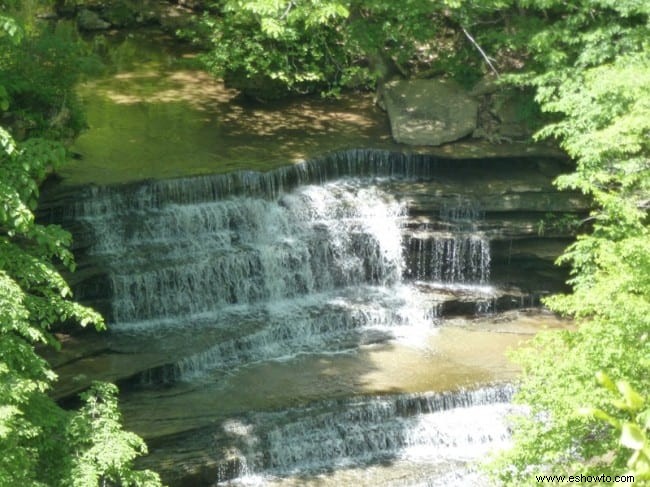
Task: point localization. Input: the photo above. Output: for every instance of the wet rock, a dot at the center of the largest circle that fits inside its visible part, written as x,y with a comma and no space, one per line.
546,249
189,459
429,112
84,360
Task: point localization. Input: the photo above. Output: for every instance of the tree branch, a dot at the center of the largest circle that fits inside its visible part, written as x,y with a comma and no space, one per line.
286,12
485,56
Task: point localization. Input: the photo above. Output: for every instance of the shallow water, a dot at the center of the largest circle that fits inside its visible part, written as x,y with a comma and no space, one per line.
445,359
158,118
155,115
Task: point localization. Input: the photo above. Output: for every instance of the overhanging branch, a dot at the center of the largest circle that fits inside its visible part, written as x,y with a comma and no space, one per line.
480,49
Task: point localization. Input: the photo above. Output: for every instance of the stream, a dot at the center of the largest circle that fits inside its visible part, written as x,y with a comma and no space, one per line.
342,320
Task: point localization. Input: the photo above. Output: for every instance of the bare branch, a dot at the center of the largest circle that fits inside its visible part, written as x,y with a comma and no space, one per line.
485,56
286,12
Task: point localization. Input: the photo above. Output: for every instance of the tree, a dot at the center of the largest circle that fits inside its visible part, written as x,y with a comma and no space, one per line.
631,421
589,63
270,48
41,443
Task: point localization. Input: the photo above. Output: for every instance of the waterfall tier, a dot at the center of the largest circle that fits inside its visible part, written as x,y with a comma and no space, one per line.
347,433
244,250
321,269
303,445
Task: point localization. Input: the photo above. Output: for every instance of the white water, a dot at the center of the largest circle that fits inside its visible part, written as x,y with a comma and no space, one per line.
435,430
245,250
319,270
221,284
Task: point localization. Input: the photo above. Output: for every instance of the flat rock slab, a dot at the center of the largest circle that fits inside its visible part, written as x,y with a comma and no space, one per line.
429,111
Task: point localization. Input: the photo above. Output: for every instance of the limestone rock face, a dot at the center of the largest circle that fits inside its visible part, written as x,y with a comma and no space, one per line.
429,111
506,108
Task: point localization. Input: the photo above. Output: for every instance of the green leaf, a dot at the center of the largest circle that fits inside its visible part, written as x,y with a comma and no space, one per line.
604,380
644,419
599,414
633,400
632,436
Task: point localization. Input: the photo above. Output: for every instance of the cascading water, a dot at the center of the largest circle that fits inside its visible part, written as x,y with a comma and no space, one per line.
220,273
449,258
244,251
431,431
453,253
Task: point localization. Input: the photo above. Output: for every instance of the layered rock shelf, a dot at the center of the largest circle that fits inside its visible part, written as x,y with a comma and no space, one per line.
360,276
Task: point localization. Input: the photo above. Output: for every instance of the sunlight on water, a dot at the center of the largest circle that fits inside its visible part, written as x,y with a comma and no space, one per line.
305,297
414,437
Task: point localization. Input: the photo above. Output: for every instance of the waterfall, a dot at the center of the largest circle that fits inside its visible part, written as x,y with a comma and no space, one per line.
218,273
458,258
244,250
439,428
235,271
452,250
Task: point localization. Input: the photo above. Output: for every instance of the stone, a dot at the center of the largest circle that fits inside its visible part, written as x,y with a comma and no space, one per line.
193,4
429,111
507,108
485,86
89,20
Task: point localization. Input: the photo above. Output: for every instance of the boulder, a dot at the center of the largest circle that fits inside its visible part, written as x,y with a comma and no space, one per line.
485,86
89,20
429,111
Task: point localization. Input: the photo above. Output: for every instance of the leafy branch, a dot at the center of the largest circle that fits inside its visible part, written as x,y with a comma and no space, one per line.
633,426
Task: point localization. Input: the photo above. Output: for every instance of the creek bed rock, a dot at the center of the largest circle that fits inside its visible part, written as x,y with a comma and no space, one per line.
429,111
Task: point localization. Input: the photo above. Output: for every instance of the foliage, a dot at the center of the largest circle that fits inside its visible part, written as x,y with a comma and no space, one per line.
102,450
631,420
33,298
41,443
296,45
268,48
38,74
39,63
590,65
566,223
